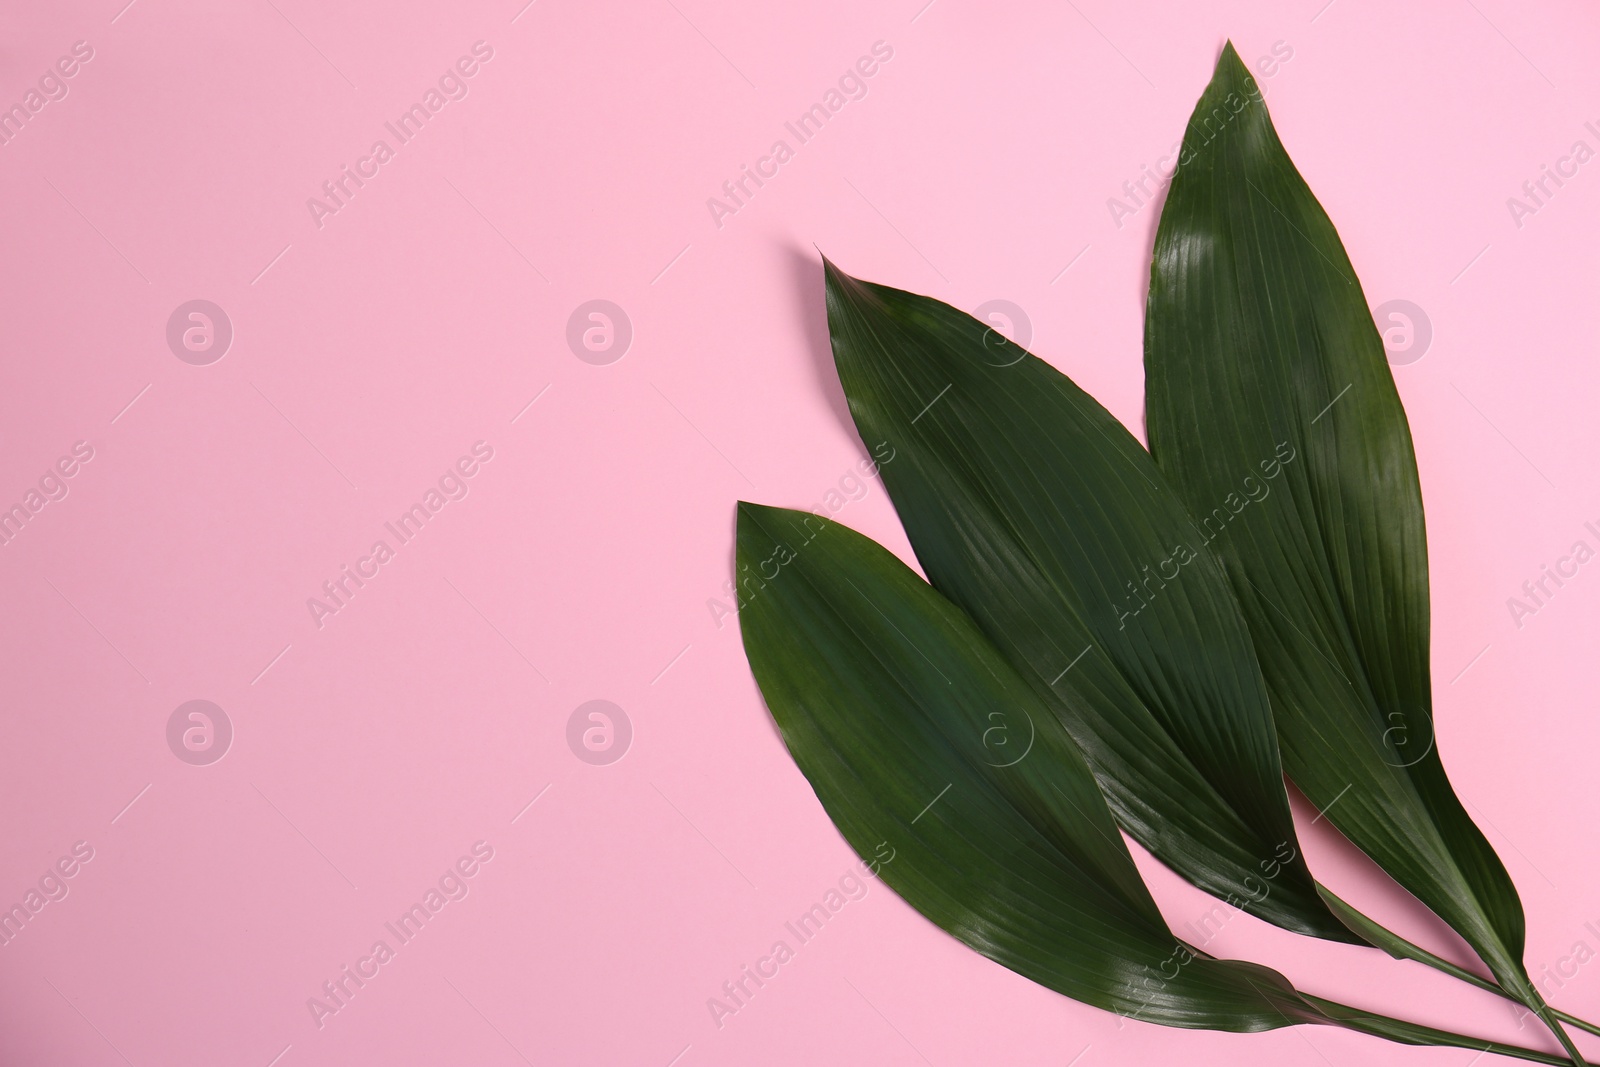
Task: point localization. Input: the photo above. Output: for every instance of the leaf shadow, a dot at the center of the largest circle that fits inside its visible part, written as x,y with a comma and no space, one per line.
805,271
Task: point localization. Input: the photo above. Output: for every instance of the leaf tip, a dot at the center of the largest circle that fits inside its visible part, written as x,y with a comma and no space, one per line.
746,511
1230,69
832,275
838,284
753,518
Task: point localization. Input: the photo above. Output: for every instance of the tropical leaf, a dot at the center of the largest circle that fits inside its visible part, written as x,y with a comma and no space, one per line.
888,698
1032,508
1272,410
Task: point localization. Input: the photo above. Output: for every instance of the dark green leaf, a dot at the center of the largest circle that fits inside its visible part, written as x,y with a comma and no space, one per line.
942,769
888,698
1272,410
1040,515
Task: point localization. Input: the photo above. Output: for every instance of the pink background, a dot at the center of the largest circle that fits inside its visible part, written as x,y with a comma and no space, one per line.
372,752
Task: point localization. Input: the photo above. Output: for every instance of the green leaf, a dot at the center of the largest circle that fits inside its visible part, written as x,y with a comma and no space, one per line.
1272,410
1032,508
888,697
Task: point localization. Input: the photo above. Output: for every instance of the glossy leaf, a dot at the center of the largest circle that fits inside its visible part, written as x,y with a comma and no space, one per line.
1261,355
888,698
943,770
1032,508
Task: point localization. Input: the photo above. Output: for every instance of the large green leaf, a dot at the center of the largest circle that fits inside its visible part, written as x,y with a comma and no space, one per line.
1032,508
889,699
1272,410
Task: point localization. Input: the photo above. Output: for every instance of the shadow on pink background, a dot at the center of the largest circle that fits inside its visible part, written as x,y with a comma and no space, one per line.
422,723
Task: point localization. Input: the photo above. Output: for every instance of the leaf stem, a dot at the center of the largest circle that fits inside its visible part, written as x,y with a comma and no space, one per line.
1548,1016
1406,1033
1400,948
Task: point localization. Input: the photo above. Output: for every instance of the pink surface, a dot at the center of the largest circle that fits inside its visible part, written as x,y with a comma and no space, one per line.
376,747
